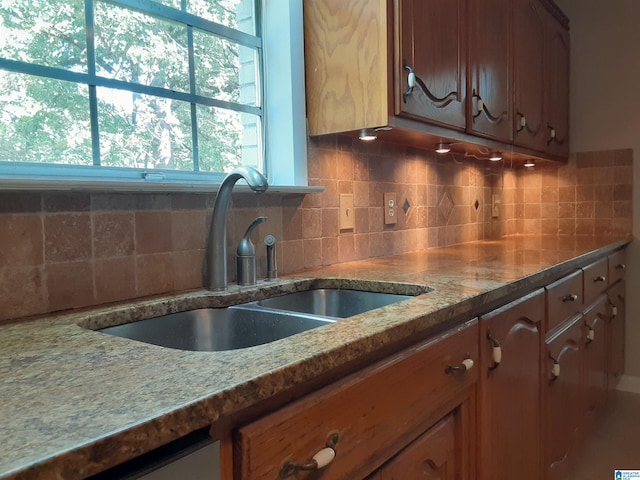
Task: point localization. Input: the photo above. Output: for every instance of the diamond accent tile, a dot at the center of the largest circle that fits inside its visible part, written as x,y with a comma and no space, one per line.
445,205
476,205
406,206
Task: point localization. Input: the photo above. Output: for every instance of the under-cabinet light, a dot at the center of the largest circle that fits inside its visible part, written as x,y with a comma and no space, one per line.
443,148
495,156
529,164
367,135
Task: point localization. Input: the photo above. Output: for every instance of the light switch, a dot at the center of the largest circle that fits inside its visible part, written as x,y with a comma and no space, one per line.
347,212
390,209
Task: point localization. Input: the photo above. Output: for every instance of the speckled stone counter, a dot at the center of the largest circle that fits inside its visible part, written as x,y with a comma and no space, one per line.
75,402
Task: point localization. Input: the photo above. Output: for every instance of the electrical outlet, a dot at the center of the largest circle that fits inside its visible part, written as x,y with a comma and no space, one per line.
495,205
390,209
347,212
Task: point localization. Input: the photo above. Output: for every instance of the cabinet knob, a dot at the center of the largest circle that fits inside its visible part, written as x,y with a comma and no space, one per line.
465,365
570,298
600,279
320,460
621,266
614,310
591,335
555,370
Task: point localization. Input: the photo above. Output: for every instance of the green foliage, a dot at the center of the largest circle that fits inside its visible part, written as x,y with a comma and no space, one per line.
47,120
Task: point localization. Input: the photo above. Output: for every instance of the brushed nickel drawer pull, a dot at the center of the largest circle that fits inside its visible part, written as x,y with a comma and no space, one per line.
570,298
600,279
467,364
621,266
320,460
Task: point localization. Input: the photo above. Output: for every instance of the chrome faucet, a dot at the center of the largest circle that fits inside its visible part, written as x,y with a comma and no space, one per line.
215,260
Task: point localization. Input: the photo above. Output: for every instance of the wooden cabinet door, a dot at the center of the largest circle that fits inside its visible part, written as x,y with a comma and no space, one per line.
616,333
433,456
490,111
509,419
595,359
557,87
432,45
562,392
529,84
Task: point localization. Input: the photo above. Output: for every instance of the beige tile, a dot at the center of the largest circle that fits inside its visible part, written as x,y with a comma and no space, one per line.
188,229
113,234
346,248
330,251
362,246
330,222
69,285
187,269
21,240
292,256
67,237
312,253
154,232
115,279
311,223
154,273
22,292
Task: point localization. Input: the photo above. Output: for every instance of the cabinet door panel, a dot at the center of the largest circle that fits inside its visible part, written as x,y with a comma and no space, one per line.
432,44
509,422
433,456
595,359
616,334
529,84
563,399
490,63
557,74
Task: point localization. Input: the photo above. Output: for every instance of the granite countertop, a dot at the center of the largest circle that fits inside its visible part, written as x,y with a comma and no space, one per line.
75,402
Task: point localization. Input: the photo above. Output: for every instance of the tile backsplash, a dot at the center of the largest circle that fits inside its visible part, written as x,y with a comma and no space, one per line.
67,250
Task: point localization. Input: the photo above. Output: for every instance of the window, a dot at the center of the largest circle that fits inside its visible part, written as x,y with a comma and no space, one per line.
157,90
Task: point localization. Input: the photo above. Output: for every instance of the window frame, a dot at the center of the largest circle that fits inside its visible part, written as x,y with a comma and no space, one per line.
281,26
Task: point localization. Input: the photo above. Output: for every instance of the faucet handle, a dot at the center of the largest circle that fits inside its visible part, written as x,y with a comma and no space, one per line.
246,256
272,266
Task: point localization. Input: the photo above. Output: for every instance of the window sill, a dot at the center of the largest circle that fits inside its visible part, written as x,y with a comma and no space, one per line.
133,186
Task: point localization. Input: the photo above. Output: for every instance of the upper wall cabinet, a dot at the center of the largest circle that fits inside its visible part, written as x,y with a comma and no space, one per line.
490,106
529,81
491,73
432,61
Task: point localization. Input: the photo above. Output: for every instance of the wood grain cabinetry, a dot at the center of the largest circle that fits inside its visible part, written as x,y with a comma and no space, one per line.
509,399
490,69
563,398
432,40
369,416
492,73
564,299
616,333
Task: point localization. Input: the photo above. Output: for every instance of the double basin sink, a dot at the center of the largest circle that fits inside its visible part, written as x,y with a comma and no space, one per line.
254,323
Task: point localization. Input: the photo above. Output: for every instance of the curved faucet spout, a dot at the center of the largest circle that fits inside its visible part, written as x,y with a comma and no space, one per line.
215,261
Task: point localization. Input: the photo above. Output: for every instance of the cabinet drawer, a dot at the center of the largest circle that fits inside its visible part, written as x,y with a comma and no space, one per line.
564,299
617,266
374,412
595,280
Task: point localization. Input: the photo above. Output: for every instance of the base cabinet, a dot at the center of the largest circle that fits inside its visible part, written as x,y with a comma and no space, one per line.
616,334
509,400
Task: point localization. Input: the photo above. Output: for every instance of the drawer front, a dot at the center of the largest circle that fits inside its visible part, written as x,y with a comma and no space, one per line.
564,299
596,280
374,413
617,266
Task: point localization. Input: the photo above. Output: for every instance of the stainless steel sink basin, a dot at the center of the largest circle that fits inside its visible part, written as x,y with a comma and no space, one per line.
332,302
216,329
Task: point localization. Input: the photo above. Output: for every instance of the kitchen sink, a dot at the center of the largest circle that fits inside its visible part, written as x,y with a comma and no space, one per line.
216,329
332,302
252,324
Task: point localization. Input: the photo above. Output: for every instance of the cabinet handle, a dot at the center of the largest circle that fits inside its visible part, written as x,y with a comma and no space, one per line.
496,351
413,80
555,370
523,124
614,310
570,298
467,364
591,335
553,137
320,460
621,266
600,279
482,107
